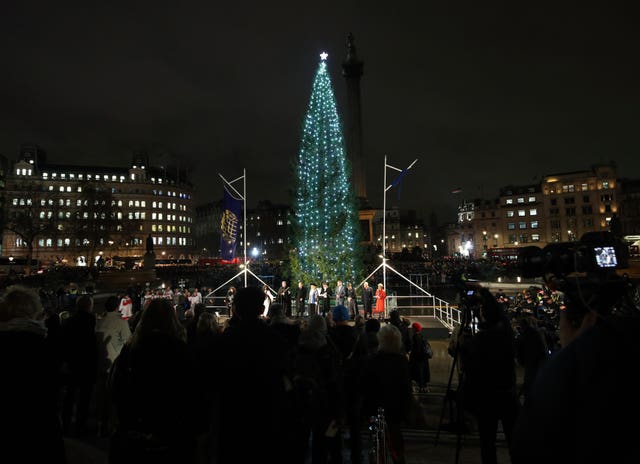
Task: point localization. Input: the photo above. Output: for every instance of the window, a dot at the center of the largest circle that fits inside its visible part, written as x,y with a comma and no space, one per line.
511,225
555,224
588,209
522,225
554,211
570,211
569,201
553,202
510,213
520,200
512,238
555,236
605,184
533,212
535,237
522,212
509,201
534,224
586,199
532,199
585,187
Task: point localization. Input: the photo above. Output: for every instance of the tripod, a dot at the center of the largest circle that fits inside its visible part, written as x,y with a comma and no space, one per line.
466,328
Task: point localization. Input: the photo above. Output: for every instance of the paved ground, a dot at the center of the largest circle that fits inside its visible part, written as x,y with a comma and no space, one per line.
433,443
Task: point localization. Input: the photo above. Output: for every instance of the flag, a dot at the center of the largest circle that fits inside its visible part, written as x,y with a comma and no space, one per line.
456,190
398,182
229,225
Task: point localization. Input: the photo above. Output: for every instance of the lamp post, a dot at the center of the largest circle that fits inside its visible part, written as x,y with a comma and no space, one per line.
495,240
484,241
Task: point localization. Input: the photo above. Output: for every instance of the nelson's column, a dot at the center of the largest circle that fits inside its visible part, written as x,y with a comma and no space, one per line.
352,71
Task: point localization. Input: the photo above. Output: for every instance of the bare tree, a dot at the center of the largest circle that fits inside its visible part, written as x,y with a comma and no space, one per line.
32,217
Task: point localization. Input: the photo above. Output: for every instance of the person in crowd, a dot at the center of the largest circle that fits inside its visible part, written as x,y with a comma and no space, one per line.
191,324
31,382
153,424
81,361
252,394
126,307
317,395
352,302
324,297
404,327
583,394
489,375
342,333
284,298
367,300
419,355
312,300
340,293
301,294
380,296
279,322
112,333
386,377
531,351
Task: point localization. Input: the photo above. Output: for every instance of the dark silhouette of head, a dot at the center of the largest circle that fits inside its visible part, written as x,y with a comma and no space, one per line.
111,303
249,303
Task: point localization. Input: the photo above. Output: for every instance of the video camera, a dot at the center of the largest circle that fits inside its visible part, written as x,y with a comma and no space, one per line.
596,252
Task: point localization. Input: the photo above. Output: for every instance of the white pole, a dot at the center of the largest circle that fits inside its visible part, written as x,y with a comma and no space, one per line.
244,175
384,233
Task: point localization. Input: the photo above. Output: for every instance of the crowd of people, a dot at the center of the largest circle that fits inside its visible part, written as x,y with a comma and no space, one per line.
295,374
171,386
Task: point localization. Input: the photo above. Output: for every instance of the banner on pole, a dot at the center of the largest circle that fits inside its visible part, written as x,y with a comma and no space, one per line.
229,225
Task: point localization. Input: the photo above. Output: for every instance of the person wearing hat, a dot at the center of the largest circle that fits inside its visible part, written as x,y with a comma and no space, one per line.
419,357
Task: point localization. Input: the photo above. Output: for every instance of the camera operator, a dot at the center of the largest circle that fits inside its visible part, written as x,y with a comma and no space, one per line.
489,375
579,402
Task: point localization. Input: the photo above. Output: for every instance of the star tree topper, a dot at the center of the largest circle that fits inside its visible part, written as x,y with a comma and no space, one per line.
323,56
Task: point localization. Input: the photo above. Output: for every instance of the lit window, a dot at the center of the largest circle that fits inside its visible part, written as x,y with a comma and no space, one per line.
532,199
509,201
521,200
533,212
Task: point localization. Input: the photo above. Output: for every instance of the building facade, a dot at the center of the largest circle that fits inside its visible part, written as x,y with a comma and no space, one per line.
561,208
65,226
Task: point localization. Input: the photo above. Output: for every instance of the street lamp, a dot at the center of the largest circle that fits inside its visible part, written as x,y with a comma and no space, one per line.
495,240
484,240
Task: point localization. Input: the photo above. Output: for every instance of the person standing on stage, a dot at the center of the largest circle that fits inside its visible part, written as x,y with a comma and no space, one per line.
284,298
381,296
301,294
367,300
352,304
229,300
324,294
341,293
312,300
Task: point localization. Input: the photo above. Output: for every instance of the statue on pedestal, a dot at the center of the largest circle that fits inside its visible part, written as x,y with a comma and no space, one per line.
149,261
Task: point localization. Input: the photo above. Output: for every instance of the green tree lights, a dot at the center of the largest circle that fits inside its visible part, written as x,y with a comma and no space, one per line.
326,240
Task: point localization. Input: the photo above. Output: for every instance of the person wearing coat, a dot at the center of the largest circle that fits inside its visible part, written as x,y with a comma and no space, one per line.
381,296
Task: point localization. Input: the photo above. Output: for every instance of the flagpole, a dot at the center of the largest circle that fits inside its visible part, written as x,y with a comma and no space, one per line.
384,228
384,220
244,227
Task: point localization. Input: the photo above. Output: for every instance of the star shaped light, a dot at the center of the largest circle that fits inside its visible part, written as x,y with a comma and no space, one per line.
323,56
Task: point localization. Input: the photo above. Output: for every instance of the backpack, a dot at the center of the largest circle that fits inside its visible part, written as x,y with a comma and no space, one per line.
428,351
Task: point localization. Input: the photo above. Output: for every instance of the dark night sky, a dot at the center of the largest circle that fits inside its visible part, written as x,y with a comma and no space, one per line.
483,96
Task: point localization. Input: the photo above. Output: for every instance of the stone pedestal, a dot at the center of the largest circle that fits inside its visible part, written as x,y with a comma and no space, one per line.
149,260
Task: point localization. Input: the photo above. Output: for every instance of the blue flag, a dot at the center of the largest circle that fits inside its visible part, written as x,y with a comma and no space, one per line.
398,182
229,225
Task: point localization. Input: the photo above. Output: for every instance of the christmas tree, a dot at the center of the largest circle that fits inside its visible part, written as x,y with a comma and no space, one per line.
325,234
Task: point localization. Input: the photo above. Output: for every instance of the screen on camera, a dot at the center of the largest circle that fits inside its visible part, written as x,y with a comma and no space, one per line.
605,256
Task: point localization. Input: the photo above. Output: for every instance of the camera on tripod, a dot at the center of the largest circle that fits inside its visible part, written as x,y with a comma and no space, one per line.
596,252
